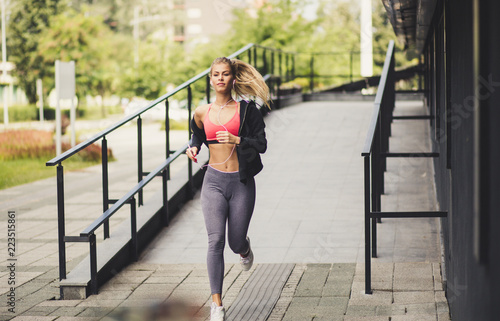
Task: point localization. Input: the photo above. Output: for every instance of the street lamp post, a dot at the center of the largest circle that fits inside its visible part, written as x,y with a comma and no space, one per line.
136,31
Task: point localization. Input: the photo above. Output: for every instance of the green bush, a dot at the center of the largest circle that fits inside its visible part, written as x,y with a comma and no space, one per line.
32,113
297,82
30,144
21,113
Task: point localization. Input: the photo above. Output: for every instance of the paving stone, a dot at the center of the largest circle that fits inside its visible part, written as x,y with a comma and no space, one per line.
409,283
313,280
110,286
437,274
342,270
361,310
391,310
98,312
110,295
155,279
421,309
68,311
337,288
140,266
414,318
356,318
78,319
440,296
375,299
442,307
328,313
60,303
412,297
40,311
444,317
338,303
304,302
153,290
100,303
299,314
34,318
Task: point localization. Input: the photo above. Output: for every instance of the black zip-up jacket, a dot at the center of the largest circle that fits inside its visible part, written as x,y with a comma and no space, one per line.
253,140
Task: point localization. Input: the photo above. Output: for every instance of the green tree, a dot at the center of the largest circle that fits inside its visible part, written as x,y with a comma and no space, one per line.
97,52
148,78
27,21
276,24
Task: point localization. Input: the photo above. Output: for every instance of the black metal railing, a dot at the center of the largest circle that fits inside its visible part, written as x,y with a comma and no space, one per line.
267,66
375,153
291,65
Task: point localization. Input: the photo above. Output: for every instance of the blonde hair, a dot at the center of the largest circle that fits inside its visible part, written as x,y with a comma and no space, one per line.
249,81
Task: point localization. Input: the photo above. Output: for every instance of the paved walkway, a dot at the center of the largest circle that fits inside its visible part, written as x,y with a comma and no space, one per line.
309,212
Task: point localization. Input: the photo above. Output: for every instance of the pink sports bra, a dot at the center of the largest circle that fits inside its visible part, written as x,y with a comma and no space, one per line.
232,126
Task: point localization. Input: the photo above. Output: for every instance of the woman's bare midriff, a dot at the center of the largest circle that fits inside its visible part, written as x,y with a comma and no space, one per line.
219,153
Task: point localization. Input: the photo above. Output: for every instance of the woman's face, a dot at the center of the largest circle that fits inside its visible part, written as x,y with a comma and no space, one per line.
222,77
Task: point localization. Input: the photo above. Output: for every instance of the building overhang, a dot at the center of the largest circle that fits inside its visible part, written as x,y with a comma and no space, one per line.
411,21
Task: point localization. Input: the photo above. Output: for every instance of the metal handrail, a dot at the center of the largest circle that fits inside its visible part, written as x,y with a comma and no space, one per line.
375,152
378,100
124,200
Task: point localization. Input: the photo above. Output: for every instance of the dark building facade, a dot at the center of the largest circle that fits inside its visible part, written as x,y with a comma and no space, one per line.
459,42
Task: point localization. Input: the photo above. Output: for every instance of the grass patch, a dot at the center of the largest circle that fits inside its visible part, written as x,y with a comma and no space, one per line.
23,154
22,171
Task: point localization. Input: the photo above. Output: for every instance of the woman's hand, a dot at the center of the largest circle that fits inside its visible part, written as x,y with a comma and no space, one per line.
191,153
225,137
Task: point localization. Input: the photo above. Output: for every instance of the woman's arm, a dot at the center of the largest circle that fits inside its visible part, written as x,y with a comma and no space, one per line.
198,136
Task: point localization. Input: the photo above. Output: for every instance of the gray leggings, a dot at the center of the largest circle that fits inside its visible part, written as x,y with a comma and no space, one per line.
225,198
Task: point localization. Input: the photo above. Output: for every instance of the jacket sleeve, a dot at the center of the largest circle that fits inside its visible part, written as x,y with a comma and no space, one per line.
256,137
198,135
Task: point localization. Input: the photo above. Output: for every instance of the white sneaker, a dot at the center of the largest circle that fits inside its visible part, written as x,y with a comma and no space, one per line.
246,262
217,313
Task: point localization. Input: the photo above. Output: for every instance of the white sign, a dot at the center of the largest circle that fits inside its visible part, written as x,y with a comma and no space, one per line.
65,79
65,89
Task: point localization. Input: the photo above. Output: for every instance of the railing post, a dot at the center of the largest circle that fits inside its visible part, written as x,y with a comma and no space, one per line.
287,68
139,156
368,273
279,65
384,123
60,222
264,60
350,66
166,219
311,80
190,162
279,92
250,56
93,264
293,66
272,62
167,136
105,184
255,57
375,182
133,228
